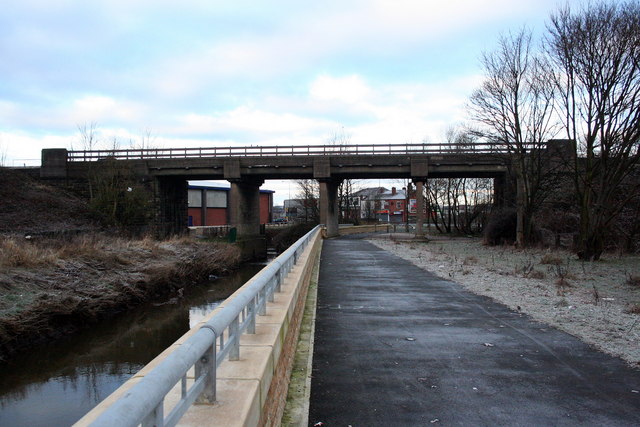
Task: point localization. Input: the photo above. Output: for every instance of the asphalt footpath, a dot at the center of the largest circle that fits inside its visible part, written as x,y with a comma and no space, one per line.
397,346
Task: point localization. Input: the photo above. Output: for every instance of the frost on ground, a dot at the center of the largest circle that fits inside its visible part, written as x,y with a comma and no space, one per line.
592,301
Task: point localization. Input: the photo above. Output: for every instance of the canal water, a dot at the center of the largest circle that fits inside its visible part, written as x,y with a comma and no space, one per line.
56,384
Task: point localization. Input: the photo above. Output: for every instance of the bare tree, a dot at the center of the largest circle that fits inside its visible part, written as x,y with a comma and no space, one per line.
147,141
346,202
88,139
308,197
3,155
597,54
341,139
441,196
88,136
515,107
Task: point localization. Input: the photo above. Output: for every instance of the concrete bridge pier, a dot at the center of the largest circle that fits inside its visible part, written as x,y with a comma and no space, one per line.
503,192
244,215
419,174
419,210
329,205
244,206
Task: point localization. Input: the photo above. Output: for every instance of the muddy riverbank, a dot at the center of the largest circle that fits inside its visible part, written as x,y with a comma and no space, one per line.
50,288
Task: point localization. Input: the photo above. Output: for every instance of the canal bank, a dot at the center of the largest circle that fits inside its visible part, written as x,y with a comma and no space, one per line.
57,383
52,288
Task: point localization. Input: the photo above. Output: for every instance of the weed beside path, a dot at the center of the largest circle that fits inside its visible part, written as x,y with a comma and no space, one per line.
53,287
599,302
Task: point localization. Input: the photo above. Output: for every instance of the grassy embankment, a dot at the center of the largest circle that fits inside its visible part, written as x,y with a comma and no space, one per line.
52,287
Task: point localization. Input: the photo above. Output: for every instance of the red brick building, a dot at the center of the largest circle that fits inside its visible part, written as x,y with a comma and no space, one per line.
393,206
208,205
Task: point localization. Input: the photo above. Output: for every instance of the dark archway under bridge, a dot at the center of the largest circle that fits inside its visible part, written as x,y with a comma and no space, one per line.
246,168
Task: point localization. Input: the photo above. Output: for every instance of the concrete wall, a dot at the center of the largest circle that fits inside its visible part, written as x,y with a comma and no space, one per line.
171,204
251,391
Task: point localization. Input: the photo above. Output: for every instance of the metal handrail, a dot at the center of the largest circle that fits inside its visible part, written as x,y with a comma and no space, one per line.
291,150
205,350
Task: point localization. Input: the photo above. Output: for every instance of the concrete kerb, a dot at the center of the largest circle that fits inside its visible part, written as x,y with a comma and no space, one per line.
296,413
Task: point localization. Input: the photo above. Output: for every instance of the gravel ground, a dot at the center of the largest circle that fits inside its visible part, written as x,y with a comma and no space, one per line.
593,302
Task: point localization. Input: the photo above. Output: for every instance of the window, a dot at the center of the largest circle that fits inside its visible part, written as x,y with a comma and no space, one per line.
195,198
216,199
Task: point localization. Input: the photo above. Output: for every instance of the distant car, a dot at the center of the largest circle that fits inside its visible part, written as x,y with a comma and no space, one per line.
280,221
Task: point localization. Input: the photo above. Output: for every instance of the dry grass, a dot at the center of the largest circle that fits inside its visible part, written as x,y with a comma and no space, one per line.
551,259
470,260
21,253
107,250
50,287
562,286
537,274
633,280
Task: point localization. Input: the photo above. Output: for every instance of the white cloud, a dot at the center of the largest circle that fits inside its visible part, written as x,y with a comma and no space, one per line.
350,89
248,120
24,149
396,113
314,39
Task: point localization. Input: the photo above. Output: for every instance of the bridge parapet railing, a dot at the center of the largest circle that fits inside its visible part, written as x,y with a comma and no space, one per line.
291,150
205,350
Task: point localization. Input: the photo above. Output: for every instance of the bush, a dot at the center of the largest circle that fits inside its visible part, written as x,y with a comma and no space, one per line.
284,237
118,198
501,227
634,280
550,259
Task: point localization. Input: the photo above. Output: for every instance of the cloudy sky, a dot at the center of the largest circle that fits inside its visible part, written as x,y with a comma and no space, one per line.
221,73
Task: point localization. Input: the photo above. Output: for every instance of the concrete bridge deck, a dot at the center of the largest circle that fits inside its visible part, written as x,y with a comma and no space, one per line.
398,346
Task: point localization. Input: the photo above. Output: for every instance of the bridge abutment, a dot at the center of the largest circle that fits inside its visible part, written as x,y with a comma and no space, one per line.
504,191
171,201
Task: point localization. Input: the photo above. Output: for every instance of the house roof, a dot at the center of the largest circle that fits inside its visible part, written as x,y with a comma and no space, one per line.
370,192
400,195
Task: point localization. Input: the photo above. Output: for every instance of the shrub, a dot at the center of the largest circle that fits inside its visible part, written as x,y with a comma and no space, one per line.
536,274
501,227
551,259
633,280
562,286
470,260
286,236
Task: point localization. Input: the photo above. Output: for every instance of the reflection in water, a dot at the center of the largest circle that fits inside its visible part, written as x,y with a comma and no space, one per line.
196,314
56,384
